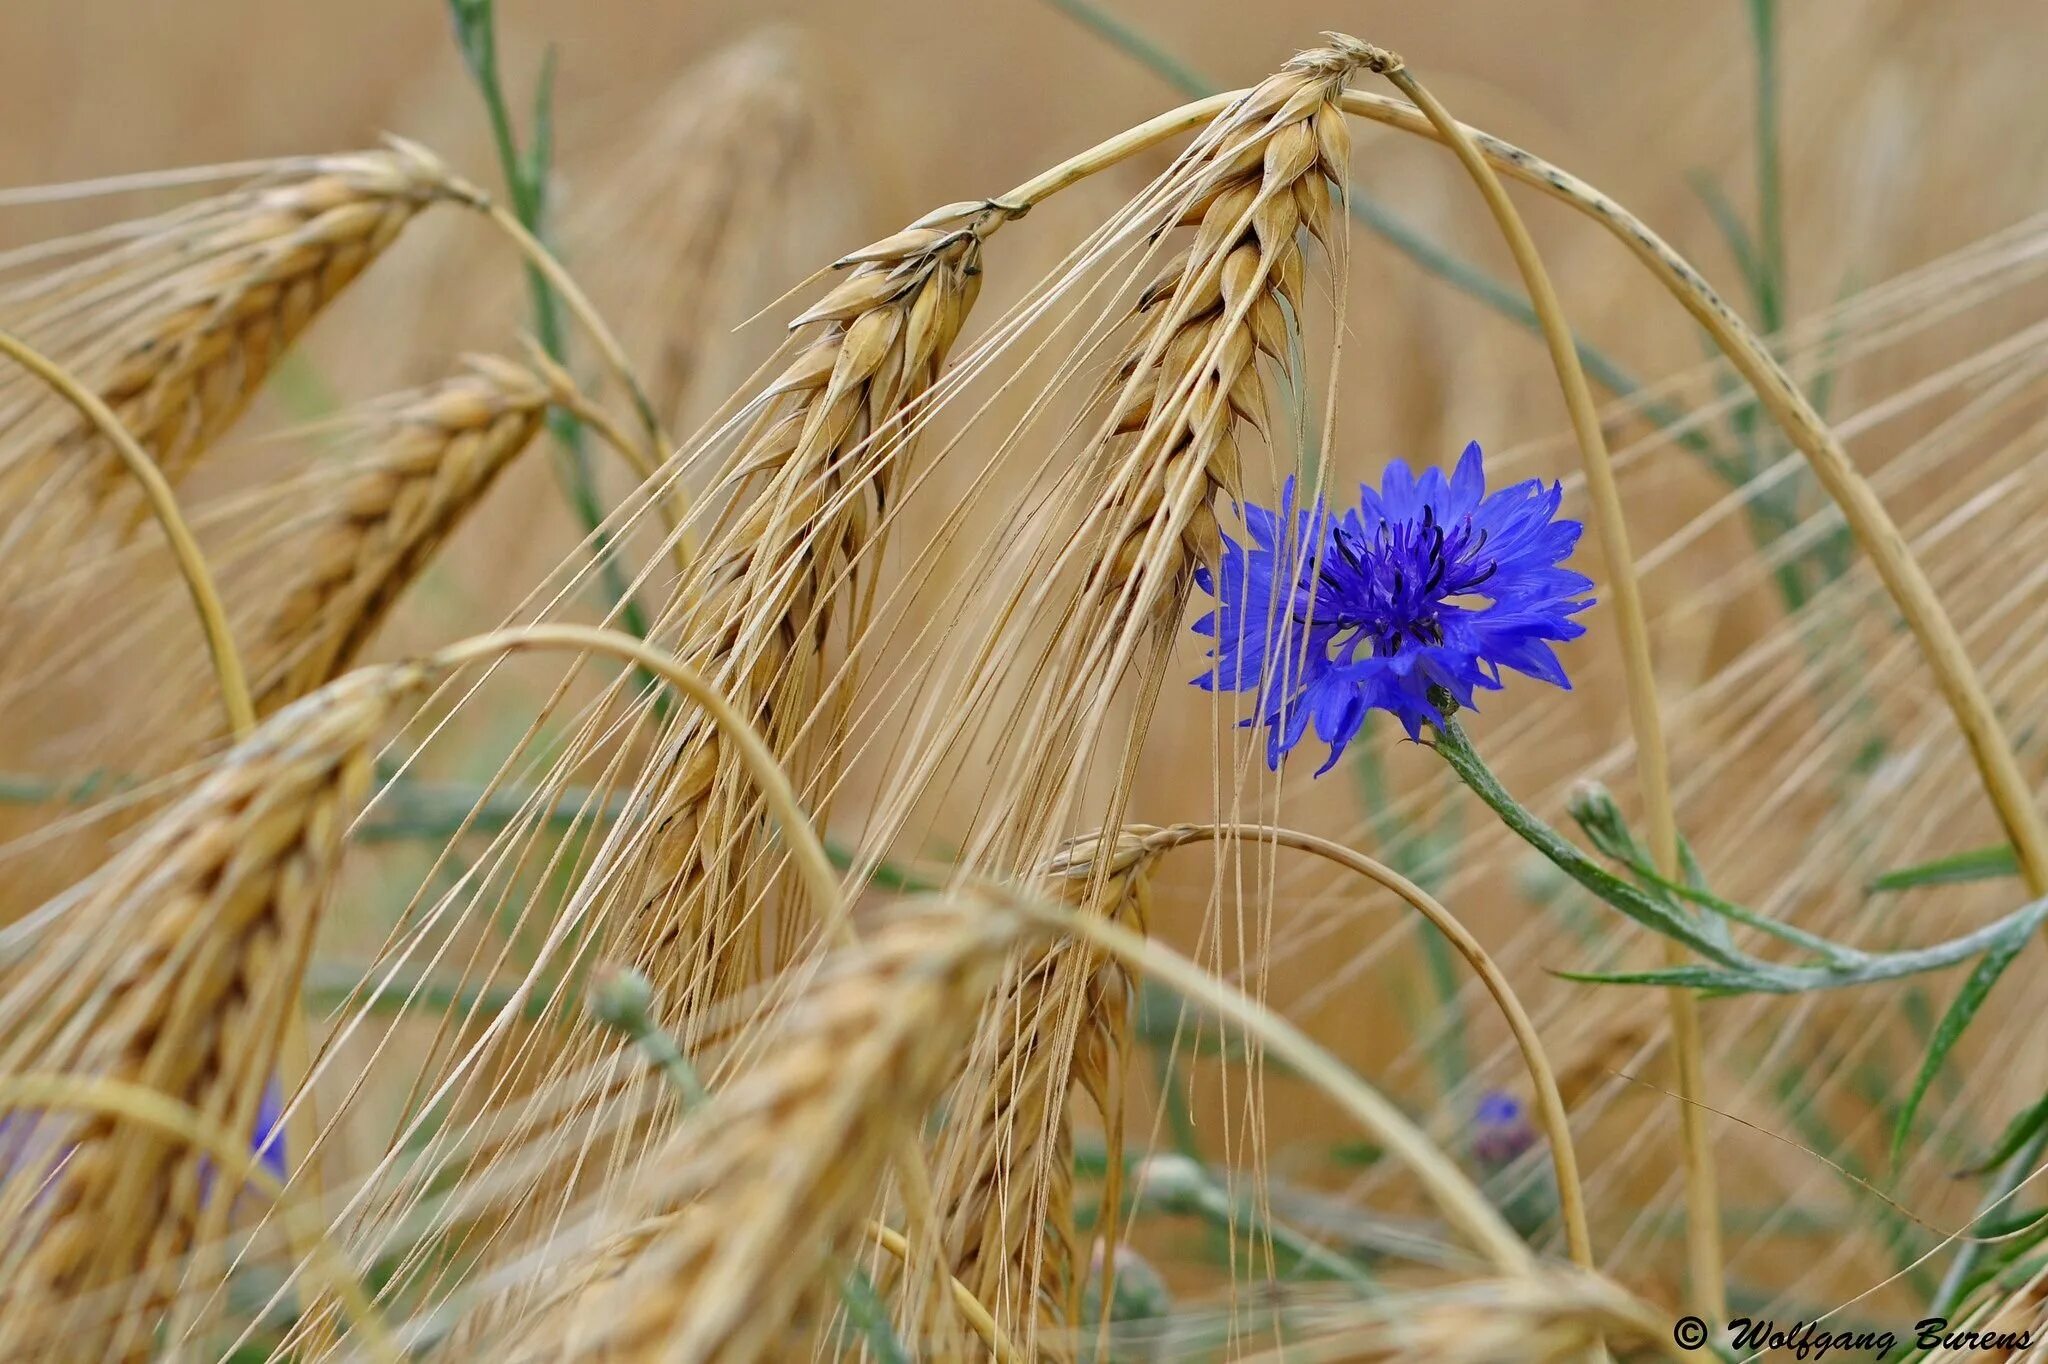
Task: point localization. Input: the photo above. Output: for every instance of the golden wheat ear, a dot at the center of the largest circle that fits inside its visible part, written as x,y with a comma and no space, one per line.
175,969
178,326
1266,175
1062,1022
691,214
731,1249
785,565
433,455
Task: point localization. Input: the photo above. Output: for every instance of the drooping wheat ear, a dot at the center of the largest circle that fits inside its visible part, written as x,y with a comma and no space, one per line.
1264,177
177,331
788,562
1191,376
699,197
773,1181
435,454
174,968
1063,1022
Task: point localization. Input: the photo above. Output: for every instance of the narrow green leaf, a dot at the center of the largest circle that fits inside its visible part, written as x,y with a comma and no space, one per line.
869,1315
1968,1000
2021,1130
1978,864
1686,977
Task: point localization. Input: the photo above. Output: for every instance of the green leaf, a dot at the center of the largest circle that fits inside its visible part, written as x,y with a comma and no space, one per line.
869,1315
1978,864
2021,1130
1968,1000
1685,977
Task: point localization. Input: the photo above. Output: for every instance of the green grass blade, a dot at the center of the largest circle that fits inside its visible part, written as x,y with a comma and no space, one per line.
1968,1001
1978,864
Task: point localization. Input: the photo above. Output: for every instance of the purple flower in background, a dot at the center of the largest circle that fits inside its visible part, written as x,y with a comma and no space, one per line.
1430,582
1500,1129
268,1142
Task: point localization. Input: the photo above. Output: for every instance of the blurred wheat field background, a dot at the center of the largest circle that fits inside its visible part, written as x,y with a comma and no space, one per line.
647,803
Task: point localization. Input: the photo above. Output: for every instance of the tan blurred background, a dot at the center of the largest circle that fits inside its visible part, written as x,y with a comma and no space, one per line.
1910,130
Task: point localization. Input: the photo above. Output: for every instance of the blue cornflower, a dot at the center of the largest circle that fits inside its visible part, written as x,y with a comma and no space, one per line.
1500,1129
1431,582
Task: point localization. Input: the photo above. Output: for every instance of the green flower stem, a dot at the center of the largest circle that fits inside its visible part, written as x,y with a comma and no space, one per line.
1178,1185
526,173
1740,973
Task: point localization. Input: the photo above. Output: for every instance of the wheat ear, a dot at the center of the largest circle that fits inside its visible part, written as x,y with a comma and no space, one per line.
1063,1022
435,454
1186,382
176,969
226,288
787,563
773,1180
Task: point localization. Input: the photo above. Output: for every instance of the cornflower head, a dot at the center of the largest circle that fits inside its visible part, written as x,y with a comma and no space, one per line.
1500,1129
1430,582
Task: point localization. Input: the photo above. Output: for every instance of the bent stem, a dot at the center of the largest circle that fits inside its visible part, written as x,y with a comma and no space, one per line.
1462,1205
978,1316
1861,508
1653,772
543,262
1549,1102
813,865
163,505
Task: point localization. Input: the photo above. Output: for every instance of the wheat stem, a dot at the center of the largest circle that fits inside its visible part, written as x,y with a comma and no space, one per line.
543,260
163,504
812,862
978,1316
1653,766
1462,1205
1549,1102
